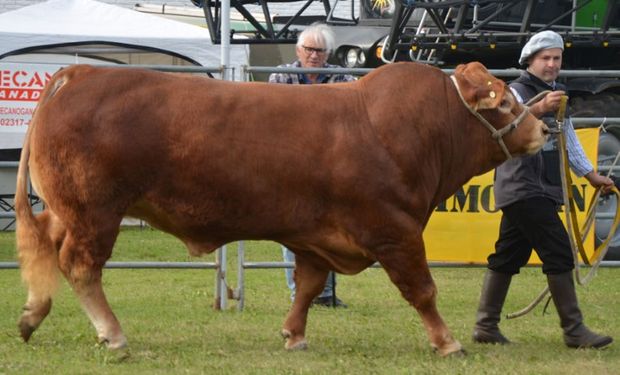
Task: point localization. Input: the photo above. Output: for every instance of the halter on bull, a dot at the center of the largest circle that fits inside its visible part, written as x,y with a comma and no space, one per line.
339,174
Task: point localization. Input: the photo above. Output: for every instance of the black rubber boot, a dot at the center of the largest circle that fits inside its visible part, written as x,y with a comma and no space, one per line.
576,334
494,290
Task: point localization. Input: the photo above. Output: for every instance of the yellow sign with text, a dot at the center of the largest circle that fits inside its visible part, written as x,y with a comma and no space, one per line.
464,228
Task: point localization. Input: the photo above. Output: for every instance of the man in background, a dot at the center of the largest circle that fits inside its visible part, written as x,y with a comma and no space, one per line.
314,46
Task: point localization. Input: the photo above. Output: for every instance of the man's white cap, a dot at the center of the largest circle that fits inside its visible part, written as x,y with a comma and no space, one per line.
543,40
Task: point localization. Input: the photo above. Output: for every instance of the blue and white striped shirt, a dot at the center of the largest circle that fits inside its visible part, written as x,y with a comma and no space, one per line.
301,78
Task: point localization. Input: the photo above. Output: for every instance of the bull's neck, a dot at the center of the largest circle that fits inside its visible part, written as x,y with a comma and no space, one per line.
432,137
471,149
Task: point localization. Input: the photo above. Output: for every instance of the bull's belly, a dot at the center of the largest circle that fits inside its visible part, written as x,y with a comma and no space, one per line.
336,251
333,249
348,265
166,222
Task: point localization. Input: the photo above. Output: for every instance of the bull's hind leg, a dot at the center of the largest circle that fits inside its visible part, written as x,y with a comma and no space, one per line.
38,257
408,270
82,257
309,282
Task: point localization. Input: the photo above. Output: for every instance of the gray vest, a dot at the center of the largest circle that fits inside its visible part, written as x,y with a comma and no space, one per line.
535,175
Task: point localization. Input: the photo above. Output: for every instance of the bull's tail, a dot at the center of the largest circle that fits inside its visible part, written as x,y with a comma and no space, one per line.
38,257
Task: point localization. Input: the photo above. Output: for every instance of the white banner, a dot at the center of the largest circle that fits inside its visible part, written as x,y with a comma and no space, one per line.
21,86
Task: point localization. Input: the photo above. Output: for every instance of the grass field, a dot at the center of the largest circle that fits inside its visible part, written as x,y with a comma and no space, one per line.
172,328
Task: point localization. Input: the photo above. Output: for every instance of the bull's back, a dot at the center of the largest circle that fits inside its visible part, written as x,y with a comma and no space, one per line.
153,142
92,103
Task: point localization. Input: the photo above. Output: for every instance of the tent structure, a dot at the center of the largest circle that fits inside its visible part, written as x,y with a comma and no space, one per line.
35,41
88,27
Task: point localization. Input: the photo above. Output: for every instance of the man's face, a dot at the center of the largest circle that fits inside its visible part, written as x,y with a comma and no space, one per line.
311,54
546,64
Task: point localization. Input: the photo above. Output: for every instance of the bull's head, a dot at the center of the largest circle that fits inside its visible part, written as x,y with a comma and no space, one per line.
489,99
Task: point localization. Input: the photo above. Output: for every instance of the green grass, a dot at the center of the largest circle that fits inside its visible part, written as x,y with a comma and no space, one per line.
168,318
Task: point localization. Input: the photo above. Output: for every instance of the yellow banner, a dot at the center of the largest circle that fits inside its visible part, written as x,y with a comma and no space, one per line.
464,228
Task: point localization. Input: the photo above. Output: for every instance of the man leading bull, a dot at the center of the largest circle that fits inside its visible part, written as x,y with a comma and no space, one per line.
528,191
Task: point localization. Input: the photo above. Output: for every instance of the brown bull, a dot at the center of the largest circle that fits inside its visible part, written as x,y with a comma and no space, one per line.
344,175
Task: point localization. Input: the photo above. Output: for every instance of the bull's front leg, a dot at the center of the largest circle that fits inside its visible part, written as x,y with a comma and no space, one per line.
406,266
309,282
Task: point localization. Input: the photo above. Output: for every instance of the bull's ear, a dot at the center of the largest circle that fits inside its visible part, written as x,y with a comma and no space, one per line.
479,88
492,95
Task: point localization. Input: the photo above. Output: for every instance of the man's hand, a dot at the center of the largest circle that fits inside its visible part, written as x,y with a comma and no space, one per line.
550,103
596,180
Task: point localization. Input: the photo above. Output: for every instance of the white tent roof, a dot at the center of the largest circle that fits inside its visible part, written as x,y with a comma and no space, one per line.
76,21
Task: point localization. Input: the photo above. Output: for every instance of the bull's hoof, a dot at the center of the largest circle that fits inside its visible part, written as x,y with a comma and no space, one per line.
117,345
25,330
114,355
458,354
454,350
299,345
32,317
120,355
292,344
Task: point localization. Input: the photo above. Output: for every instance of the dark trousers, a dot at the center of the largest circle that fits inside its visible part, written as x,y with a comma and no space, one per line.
531,224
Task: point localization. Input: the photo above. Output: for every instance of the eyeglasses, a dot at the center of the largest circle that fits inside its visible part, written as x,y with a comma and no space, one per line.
310,50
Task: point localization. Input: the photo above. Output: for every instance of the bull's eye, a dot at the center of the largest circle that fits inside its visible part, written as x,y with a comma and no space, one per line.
504,104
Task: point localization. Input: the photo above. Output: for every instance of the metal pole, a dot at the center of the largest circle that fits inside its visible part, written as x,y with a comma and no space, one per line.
221,287
218,289
333,276
225,38
240,276
222,273
221,291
